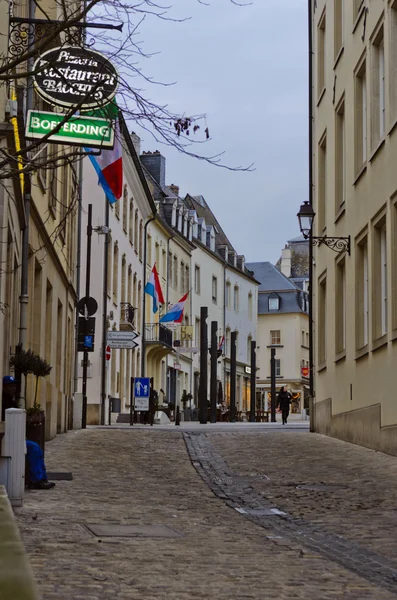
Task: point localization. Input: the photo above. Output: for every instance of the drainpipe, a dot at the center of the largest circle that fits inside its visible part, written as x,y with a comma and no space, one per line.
310,82
143,334
224,327
24,297
104,315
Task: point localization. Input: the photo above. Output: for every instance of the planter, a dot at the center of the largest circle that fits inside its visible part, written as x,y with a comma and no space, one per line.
35,428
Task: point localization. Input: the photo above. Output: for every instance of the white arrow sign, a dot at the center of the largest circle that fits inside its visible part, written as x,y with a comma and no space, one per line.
127,336
122,344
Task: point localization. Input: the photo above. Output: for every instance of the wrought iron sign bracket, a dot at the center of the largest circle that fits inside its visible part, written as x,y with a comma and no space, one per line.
22,29
337,244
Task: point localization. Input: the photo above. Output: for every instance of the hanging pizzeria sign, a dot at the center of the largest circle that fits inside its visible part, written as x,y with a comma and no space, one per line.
68,76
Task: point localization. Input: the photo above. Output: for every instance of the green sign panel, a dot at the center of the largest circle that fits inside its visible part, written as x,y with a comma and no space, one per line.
92,132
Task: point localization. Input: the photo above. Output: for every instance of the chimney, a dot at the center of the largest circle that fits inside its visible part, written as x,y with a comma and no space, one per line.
155,164
136,141
286,262
174,189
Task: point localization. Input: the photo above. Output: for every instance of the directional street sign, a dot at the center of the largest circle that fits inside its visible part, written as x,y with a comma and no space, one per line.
126,336
122,344
142,387
122,339
92,132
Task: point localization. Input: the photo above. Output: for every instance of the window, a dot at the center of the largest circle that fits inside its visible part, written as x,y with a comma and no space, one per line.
250,305
236,298
249,340
361,115
197,332
227,295
63,209
149,249
182,277
338,26
303,338
109,261
123,279
187,279
196,279
380,279
274,302
125,208
378,89
164,263
275,337
322,315
136,231
131,221
340,311
321,55
357,6
214,290
157,256
307,339
117,208
362,294
115,271
140,239
278,367
393,62
175,269
228,340
321,183
340,178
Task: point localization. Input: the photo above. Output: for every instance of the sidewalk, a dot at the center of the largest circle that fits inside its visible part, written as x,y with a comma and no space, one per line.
144,476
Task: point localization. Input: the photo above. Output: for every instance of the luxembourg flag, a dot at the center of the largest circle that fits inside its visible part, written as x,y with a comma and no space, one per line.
109,168
175,312
153,288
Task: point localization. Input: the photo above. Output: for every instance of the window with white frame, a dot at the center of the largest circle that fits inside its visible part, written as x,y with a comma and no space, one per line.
197,279
214,290
278,367
360,114
378,89
250,305
383,259
274,302
236,298
275,337
362,293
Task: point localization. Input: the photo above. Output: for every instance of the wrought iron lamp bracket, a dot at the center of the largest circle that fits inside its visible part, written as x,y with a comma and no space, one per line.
337,244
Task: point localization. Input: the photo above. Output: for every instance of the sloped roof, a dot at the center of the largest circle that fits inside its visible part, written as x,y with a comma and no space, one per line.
202,209
270,278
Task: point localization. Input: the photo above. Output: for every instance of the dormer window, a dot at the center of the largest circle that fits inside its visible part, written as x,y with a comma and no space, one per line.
274,302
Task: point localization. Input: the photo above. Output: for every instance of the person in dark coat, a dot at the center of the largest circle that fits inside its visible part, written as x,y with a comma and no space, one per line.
284,400
8,395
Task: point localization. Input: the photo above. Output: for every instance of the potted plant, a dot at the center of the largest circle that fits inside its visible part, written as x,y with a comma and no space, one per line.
185,399
25,362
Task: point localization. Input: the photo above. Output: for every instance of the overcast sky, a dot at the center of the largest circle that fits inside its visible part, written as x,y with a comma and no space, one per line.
246,68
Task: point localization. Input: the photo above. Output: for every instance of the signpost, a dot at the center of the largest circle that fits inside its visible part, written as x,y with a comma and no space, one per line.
122,339
78,130
141,393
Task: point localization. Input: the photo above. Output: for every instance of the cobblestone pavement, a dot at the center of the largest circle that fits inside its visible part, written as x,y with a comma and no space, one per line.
145,477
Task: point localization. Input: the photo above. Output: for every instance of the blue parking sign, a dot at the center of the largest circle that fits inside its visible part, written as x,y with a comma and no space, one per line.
142,387
88,341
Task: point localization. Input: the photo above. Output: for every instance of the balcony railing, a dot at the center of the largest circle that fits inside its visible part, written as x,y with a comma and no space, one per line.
155,332
127,316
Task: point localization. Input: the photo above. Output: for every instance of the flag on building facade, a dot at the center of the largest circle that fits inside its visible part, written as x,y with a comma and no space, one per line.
175,312
109,168
153,288
222,343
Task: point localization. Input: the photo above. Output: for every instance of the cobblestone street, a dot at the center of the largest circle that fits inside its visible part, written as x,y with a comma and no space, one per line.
336,536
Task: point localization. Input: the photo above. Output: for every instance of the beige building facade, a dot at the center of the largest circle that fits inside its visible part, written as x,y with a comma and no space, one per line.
355,193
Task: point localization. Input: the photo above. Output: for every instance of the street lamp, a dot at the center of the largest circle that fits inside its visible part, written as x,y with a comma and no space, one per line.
306,216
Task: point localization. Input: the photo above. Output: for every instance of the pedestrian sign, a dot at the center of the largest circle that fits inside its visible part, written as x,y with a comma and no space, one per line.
142,387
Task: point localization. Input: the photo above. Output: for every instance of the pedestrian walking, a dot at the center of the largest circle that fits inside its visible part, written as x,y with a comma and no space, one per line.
284,400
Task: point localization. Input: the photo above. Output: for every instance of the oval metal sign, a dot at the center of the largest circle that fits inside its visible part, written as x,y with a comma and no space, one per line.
69,75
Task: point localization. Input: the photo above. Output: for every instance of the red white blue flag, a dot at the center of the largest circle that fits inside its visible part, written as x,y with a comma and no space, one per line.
175,312
153,288
109,168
